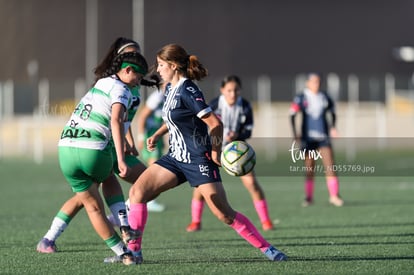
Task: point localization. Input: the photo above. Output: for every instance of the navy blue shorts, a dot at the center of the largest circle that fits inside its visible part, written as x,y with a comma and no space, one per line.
195,173
313,145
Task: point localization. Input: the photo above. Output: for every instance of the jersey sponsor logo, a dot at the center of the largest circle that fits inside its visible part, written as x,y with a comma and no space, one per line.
123,97
75,133
135,102
204,170
243,118
73,123
191,89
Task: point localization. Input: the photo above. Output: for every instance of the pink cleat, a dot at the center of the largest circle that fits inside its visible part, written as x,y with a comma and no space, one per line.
194,226
267,225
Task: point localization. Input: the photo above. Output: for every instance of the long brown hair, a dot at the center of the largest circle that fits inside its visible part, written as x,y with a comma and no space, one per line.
187,65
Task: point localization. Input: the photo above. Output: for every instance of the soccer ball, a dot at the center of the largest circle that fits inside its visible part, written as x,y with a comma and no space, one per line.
238,158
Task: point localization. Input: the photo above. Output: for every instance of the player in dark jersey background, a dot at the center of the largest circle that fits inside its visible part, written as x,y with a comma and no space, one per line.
315,135
195,141
237,116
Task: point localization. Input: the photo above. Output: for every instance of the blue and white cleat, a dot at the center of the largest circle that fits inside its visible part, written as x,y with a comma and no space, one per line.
46,246
275,255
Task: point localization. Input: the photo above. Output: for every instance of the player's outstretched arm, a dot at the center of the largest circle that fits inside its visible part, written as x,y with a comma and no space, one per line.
152,140
216,134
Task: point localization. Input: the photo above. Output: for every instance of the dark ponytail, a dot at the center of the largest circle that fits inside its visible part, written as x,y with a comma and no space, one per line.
117,48
130,57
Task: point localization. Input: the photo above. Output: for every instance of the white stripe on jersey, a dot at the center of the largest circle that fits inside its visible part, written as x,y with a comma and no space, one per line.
97,145
178,147
179,151
97,117
204,112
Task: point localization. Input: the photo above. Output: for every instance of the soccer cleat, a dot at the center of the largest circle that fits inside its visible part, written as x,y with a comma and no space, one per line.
275,255
336,201
307,202
194,226
113,259
128,258
138,256
267,225
154,206
128,234
46,246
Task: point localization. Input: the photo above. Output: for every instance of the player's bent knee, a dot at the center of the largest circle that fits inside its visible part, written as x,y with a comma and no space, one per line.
135,194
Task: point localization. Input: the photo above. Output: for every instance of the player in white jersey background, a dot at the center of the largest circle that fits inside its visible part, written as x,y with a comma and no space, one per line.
316,133
85,148
237,116
195,142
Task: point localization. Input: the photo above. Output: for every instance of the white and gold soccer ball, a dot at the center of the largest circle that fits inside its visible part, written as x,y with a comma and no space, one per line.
238,158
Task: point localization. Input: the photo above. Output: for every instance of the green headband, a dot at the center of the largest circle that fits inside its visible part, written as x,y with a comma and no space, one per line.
136,68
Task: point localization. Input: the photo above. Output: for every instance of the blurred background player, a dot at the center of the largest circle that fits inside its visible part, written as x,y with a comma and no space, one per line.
236,115
149,121
314,105
195,141
111,188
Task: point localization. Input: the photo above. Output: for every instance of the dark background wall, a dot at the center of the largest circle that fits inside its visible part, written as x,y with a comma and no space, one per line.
248,38
283,37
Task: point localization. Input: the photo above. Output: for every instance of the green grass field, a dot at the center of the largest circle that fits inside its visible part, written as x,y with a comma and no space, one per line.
372,234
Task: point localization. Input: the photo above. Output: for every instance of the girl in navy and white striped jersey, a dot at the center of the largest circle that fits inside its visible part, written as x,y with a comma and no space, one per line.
237,116
194,151
315,135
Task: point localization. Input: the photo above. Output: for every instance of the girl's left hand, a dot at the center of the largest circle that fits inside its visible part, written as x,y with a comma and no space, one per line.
123,169
215,157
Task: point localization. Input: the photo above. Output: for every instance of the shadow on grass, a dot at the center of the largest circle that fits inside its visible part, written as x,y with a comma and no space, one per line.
291,259
237,244
323,226
344,258
341,226
333,243
350,203
348,236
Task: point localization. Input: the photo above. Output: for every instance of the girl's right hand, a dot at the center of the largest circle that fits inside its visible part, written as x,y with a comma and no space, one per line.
152,143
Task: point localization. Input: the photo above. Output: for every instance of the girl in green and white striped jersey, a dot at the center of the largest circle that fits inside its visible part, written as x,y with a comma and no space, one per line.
85,149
